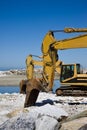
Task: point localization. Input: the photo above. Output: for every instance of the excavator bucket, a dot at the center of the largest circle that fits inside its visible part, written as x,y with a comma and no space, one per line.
31,88
31,97
23,86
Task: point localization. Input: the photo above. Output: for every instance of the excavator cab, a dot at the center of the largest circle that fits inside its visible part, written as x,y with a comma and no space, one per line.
69,71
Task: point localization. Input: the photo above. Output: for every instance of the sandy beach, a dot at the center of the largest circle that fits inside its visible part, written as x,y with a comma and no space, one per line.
13,77
11,80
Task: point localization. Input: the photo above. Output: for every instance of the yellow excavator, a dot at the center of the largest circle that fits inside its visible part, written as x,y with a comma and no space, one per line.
71,78
50,46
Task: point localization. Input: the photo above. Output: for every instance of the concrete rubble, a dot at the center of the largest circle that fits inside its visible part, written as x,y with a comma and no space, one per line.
49,113
45,117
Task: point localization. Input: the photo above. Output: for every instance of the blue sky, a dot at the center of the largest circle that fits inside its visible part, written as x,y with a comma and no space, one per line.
24,23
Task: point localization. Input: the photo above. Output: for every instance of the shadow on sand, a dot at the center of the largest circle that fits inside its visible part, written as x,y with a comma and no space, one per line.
48,101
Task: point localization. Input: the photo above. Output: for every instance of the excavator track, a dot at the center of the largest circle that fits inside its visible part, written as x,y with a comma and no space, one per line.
72,91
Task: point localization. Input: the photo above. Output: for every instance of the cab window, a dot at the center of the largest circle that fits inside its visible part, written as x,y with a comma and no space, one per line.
67,71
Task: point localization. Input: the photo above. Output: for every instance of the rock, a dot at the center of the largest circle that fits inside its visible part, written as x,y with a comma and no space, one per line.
46,123
80,115
49,110
74,124
83,127
45,117
19,123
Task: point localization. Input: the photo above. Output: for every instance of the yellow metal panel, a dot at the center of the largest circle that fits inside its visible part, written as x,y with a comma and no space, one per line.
48,39
76,42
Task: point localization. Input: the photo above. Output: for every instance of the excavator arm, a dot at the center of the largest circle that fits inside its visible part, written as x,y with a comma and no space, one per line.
30,63
50,46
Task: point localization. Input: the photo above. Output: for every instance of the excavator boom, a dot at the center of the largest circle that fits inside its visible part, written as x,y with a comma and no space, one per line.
71,43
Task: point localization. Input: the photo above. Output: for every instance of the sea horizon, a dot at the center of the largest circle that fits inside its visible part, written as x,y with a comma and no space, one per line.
10,68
